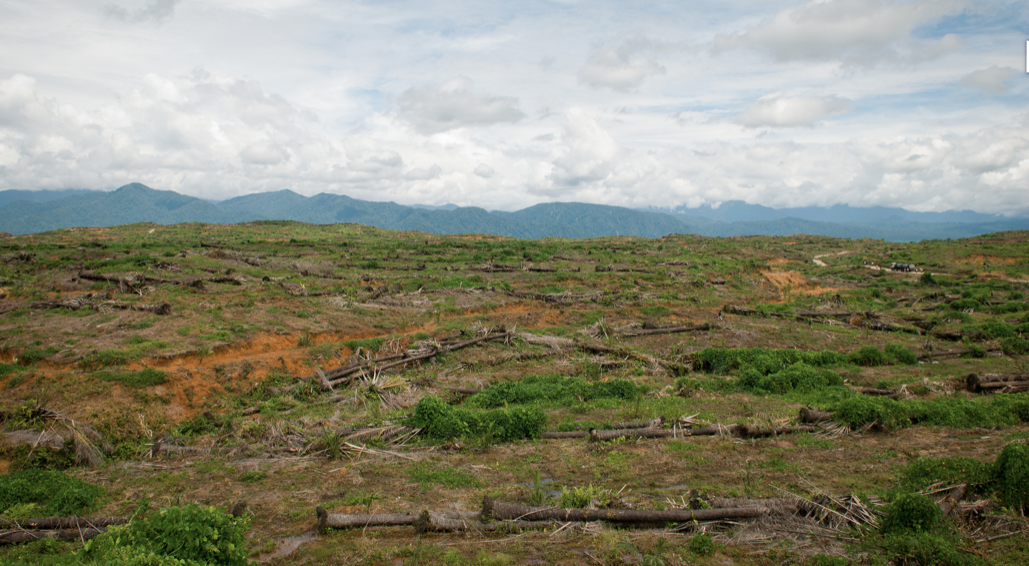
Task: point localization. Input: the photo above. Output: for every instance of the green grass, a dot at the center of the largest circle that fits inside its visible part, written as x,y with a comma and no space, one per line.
427,474
138,379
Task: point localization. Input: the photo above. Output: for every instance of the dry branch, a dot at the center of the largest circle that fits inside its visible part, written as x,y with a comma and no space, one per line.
666,330
63,522
12,537
492,509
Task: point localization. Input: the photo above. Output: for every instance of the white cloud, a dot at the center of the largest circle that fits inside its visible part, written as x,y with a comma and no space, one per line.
989,81
156,11
780,111
854,32
423,174
438,108
484,171
621,68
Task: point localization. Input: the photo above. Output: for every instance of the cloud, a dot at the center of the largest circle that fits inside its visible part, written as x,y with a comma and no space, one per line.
853,32
423,174
620,68
989,81
484,171
156,11
779,111
437,108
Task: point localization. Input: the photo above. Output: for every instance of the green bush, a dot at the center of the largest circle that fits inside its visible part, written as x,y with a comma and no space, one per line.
900,354
912,513
989,329
701,545
924,472
195,534
1011,472
964,304
859,410
798,377
441,421
1015,345
59,494
868,356
553,390
581,497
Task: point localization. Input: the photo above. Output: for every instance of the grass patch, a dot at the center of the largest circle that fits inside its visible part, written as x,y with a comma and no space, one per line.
442,422
136,379
58,494
453,478
553,390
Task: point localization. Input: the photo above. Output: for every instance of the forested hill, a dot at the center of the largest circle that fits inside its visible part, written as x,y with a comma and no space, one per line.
25,212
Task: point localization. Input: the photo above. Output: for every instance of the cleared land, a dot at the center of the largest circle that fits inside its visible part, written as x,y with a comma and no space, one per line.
287,365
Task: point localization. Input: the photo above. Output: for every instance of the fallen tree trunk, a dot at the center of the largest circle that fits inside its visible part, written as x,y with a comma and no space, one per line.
746,431
811,416
652,423
568,434
709,431
63,522
952,500
441,522
996,381
598,435
12,537
492,509
343,521
875,392
668,330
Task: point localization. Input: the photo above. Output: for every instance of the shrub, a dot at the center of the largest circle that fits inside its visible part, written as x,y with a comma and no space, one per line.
797,377
553,390
701,545
440,421
581,497
192,533
868,356
964,304
58,493
924,472
989,329
901,354
860,410
1011,472
912,513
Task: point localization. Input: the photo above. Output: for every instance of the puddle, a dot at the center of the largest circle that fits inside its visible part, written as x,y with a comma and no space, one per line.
545,484
285,546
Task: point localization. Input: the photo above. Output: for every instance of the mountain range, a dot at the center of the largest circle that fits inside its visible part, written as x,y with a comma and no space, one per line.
27,212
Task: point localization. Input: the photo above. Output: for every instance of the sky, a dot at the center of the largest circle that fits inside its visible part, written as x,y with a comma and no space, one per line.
920,104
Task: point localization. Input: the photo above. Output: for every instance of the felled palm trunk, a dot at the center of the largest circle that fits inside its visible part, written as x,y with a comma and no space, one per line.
492,509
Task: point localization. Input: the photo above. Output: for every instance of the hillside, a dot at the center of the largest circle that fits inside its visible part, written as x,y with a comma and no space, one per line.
739,388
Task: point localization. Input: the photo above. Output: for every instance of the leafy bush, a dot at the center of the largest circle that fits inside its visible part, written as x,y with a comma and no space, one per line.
868,356
553,390
912,512
997,410
797,377
924,472
1015,345
581,497
441,421
1011,472
764,360
192,533
900,354
859,410
58,493
701,545
989,329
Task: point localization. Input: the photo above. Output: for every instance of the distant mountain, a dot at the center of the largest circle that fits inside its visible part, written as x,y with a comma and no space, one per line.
739,211
7,197
24,214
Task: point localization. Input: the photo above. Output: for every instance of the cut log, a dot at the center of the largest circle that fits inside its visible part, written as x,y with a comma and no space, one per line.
875,392
492,509
598,435
996,381
952,500
12,537
568,434
666,330
344,521
652,423
811,416
709,431
442,522
52,523
746,431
